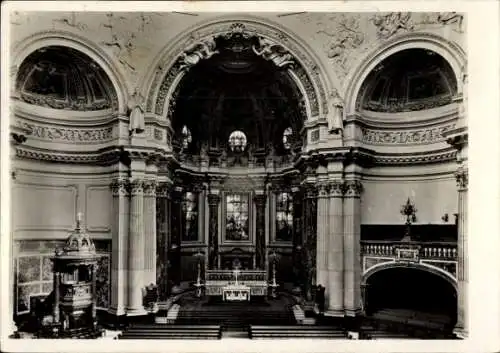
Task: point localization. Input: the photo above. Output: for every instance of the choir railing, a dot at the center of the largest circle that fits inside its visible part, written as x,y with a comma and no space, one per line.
424,250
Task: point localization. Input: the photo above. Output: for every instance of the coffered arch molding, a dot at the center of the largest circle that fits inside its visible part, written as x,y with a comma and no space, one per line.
309,75
70,40
450,51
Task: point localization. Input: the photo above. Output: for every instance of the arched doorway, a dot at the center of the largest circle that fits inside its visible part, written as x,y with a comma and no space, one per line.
411,294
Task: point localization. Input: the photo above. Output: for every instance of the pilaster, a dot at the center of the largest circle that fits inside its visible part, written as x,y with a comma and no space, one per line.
136,249
120,188
335,289
213,215
163,234
322,235
309,245
352,256
149,232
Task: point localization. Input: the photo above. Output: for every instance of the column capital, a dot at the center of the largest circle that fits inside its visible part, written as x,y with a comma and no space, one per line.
310,191
213,199
137,186
462,178
120,186
150,187
163,189
353,188
336,188
260,199
323,189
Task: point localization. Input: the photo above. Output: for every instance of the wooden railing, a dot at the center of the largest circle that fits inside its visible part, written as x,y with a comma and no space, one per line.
425,250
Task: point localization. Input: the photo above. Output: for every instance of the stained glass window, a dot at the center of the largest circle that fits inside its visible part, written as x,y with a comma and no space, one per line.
237,141
237,217
284,216
190,216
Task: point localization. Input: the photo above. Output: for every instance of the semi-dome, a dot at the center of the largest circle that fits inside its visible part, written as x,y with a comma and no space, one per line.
410,80
63,78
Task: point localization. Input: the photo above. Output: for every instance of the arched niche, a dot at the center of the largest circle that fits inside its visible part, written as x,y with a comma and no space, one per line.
170,67
66,39
451,52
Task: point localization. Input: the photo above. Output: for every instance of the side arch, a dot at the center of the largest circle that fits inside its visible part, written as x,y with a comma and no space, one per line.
450,51
418,266
162,77
68,39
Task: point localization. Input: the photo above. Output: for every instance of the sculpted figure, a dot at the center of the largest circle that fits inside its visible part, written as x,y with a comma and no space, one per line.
388,25
136,117
197,52
335,115
269,50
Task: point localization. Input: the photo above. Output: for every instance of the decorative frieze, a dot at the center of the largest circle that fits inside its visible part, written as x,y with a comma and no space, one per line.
80,135
408,137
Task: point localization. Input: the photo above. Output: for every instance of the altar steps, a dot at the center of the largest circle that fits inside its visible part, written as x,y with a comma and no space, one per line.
293,332
156,331
235,318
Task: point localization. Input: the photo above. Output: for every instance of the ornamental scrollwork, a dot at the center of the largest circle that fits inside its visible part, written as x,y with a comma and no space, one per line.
120,187
137,187
68,134
353,188
462,178
307,71
423,136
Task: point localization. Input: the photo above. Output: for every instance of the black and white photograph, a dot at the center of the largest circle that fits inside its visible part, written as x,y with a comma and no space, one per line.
201,175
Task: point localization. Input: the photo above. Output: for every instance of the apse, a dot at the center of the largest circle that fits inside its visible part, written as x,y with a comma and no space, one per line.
237,100
410,80
63,78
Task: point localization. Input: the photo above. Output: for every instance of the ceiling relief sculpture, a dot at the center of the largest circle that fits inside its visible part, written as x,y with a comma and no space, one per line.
240,40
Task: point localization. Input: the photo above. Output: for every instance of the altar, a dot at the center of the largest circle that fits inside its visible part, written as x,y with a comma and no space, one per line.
236,285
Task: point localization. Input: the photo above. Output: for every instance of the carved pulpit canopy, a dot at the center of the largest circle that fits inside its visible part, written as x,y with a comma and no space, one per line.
78,244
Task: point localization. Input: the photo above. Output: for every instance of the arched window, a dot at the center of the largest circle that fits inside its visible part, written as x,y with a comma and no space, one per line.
287,135
237,141
284,216
186,137
190,216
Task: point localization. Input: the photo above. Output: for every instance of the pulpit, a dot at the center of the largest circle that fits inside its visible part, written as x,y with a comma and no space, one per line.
74,309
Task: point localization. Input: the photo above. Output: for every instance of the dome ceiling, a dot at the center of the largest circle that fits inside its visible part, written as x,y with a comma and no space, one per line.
237,90
410,80
63,78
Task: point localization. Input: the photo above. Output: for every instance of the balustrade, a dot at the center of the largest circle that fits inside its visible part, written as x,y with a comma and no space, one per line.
427,250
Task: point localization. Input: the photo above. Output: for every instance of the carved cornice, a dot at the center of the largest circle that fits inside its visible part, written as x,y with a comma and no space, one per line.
462,178
100,157
415,159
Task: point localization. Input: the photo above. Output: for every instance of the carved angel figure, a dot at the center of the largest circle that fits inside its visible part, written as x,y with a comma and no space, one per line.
197,52
136,117
269,50
335,116
389,24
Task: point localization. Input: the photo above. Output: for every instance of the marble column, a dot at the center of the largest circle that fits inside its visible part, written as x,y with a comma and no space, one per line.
213,231
322,236
176,227
461,328
260,241
352,256
335,289
120,188
136,249
162,234
149,232
297,237
309,240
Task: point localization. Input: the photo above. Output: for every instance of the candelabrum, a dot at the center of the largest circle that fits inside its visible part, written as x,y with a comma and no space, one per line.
198,285
409,211
273,285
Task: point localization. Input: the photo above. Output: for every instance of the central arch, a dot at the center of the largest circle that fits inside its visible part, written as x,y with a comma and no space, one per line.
169,70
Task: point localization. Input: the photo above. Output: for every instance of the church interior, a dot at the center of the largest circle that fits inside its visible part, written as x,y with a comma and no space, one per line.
204,175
